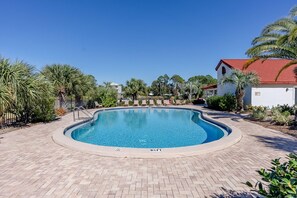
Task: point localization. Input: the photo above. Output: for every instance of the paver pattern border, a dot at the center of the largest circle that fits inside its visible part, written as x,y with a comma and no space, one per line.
32,165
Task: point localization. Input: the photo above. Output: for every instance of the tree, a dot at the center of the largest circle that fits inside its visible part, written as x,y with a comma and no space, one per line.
63,77
241,80
135,87
107,96
192,88
277,40
161,86
177,83
204,80
22,89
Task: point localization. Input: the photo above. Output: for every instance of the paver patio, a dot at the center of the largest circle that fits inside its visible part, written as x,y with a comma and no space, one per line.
32,165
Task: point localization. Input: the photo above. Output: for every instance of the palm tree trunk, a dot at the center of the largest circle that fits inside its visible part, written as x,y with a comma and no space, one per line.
61,100
239,98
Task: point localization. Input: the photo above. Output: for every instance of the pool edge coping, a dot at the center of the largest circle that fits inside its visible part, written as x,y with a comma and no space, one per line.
234,137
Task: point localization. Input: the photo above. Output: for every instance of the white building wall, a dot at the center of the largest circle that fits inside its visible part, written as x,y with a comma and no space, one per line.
224,88
264,95
247,100
272,95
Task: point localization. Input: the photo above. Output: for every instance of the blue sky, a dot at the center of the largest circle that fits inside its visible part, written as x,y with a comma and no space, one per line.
115,40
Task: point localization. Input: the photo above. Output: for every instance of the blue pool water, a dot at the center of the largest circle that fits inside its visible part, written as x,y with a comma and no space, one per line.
148,128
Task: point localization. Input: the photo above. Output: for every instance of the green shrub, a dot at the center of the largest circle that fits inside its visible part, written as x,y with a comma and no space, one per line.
285,107
281,118
107,96
228,102
258,112
222,103
44,110
280,180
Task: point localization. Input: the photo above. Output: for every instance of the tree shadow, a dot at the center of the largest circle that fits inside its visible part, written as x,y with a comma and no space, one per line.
234,194
219,115
288,144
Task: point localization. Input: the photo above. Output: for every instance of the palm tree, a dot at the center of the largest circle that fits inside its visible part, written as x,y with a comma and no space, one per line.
177,82
277,40
65,78
134,87
241,80
192,88
21,88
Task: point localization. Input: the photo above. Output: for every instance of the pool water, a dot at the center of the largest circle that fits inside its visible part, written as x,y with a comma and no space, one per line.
148,128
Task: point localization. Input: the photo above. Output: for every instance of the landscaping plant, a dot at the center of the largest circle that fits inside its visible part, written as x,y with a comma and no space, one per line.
280,181
281,118
258,112
222,103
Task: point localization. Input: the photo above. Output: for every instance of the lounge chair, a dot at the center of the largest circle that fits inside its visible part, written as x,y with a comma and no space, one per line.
159,102
152,103
97,105
143,103
126,102
178,102
136,103
166,102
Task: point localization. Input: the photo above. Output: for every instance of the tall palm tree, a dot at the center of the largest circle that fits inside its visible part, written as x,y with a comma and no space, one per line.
277,40
241,80
192,88
134,87
177,82
65,79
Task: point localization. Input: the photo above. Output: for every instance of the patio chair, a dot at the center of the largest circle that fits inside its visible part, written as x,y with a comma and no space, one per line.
166,102
152,103
159,102
143,103
136,103
97,105
126,102
178,102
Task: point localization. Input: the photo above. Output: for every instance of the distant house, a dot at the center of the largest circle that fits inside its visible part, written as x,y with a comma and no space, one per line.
210,90
269,92
117,87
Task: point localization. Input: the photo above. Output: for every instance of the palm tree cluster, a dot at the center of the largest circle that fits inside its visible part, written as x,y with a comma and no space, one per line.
180,88
277,40
69,81
23,92
30,95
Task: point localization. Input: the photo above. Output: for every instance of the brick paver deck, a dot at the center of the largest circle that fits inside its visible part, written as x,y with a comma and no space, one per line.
32,165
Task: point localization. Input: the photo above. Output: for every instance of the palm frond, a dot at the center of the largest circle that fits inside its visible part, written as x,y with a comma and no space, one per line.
286,66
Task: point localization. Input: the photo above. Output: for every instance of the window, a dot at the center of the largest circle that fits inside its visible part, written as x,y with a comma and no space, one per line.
223,70
257,93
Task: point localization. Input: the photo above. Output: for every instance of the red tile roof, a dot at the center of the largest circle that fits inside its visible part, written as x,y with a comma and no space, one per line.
210,87
266,70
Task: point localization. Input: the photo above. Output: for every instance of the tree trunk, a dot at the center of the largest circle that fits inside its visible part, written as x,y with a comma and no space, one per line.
239,99
61,99
78,101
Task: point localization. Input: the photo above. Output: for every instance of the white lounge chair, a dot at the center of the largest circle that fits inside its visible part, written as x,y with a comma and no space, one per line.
166,102
97,105
136,103
143,103
126,102
152,103
159,102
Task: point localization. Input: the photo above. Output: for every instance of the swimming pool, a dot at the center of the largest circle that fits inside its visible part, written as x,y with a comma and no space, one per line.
147,128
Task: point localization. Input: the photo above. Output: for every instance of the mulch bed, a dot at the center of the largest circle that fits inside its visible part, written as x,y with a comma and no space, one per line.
291,130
